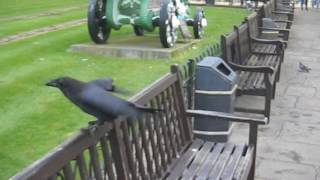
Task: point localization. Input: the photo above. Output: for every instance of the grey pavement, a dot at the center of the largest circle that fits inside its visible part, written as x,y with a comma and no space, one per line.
289,147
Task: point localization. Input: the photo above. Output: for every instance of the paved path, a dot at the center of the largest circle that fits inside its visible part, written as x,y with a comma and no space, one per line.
289,147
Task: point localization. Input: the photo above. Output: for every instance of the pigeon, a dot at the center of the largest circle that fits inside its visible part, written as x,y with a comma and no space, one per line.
92,98
303,68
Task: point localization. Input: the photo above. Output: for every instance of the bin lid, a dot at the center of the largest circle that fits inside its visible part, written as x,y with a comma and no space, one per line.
218,65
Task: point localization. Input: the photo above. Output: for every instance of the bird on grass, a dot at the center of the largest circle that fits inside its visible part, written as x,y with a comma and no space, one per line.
303,68
93,98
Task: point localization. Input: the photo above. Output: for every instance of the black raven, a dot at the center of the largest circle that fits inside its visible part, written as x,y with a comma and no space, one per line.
105,83
93,99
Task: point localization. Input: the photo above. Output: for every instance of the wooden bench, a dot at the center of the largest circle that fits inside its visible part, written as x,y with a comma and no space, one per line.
283,19
257,63
256,30
284,5
157,146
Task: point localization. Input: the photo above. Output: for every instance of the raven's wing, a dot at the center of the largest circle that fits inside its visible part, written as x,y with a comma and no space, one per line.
105,83
102,104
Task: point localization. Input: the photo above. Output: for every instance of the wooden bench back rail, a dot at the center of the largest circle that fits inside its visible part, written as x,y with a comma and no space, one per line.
253,24
229,47
120,150
256,28
157,146
244,43
267,11
270,11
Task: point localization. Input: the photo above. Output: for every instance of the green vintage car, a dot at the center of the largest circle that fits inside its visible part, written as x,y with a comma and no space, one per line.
143,15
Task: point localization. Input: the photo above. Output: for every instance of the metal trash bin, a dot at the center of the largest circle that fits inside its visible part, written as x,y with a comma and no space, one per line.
216,85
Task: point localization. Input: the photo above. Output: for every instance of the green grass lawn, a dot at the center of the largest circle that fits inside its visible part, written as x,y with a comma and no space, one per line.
35,118
22,8
13,27
26,7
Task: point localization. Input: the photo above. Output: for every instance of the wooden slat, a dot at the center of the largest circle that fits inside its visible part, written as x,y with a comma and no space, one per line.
233,163
118,152
95,162
160,102
107,158
210,161
139,153
67,172
169,119
198,160
53,177
179,114
128,144
185,159
145,145
61,155
183,119
173,123
221,163
155,151
83,171
243,169
159,137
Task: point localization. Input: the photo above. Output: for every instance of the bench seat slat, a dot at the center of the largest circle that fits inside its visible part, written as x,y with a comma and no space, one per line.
185,159
222,162
233,162
245,162
211,159
208,160
198,160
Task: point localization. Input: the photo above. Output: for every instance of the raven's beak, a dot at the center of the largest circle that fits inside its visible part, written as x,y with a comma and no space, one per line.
52,83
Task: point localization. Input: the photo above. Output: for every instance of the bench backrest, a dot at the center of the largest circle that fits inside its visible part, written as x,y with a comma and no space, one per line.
244,43
119,150
267,10
273,5
253,24
229,48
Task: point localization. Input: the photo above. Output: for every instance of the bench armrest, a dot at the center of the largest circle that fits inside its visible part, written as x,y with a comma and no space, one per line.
285,8
284,32
253,122
262,69
226,116
275,29
288,23
280,45
282,12
283,21
265,53
267,41
287,3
